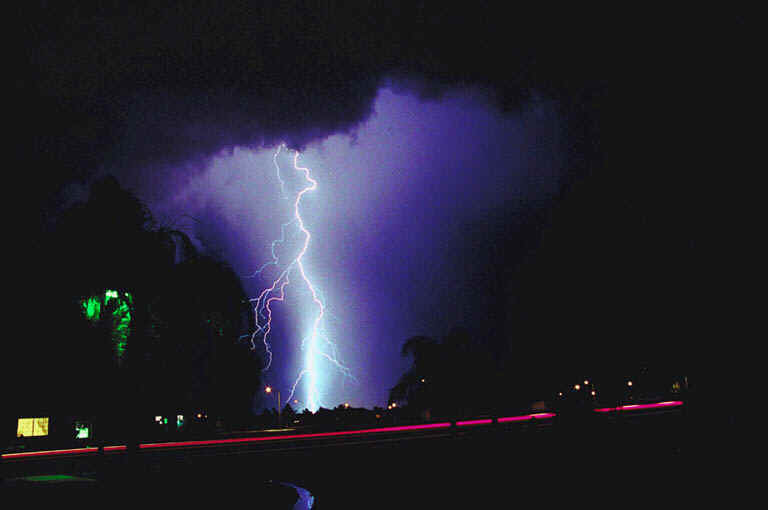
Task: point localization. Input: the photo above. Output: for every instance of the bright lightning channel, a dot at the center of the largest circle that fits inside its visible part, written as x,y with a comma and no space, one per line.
314,342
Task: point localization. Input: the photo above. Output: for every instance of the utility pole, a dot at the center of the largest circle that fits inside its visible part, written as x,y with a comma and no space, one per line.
268,389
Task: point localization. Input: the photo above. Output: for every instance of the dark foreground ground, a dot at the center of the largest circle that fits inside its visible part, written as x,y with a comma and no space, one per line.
664,464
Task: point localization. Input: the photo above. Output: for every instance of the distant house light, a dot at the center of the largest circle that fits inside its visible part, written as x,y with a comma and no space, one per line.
32,427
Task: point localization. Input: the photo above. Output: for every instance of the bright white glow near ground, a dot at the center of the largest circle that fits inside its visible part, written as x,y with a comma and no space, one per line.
391,213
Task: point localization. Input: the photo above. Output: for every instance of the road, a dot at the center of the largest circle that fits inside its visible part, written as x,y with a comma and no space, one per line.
601,464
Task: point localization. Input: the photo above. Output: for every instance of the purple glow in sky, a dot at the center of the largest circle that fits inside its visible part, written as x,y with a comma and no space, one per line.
398,243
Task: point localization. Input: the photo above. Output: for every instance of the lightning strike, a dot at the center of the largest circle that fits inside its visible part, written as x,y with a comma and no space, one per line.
314,342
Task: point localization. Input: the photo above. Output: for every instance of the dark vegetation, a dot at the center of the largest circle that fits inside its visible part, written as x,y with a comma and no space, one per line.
183,352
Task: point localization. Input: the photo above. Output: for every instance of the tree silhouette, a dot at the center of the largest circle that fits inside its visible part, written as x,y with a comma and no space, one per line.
177,313
454,377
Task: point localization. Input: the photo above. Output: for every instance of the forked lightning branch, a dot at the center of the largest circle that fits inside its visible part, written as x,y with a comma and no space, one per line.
316,345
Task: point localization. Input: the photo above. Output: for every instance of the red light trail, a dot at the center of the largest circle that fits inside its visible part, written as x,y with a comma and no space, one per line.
342,433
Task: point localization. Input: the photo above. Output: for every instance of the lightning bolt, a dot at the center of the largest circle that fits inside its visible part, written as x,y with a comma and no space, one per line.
315,343
276,242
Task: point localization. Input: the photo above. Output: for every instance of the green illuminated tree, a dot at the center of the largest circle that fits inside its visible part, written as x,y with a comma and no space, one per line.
113,311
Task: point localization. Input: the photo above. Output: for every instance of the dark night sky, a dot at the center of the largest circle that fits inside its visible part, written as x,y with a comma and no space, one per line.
537,177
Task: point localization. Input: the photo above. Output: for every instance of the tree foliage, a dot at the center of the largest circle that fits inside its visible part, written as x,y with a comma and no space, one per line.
452,377
138,318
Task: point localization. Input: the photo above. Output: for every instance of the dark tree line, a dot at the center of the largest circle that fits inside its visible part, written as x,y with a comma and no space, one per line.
459,376
187,312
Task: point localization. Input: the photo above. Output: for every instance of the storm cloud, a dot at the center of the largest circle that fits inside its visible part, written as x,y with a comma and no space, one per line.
117,87
155,93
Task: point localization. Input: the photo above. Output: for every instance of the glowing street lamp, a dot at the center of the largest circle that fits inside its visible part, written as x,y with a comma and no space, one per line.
577,387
